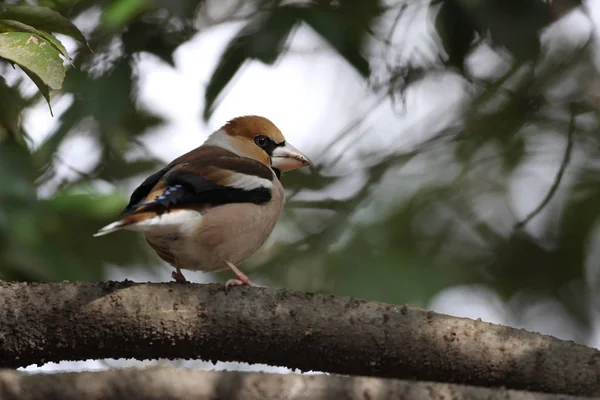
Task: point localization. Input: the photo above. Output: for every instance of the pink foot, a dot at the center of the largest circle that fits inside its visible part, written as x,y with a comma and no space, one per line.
237,282
242,280
178,276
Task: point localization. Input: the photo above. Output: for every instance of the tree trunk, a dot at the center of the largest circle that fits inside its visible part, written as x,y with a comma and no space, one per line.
77,321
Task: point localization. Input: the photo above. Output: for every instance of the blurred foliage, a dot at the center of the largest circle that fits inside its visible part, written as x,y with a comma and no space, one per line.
26,39
390,240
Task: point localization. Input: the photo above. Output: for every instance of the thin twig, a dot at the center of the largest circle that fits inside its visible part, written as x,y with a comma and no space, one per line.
559,175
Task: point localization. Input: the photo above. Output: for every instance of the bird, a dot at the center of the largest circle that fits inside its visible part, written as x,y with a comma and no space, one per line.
213,207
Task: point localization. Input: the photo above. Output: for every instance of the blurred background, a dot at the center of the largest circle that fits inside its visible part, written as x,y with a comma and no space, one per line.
456,145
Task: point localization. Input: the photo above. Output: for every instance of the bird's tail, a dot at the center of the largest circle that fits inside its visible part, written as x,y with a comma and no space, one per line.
110,228
128,222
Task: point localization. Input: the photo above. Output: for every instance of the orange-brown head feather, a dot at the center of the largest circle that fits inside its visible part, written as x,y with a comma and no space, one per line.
249,126
240,133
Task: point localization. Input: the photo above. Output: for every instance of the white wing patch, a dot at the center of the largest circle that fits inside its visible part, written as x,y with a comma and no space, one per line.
249,182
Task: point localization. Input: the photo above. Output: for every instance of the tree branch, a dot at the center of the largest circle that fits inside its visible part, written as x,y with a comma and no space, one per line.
183,384
76,321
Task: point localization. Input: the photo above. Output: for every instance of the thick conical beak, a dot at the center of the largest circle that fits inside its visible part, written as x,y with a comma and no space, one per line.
286,158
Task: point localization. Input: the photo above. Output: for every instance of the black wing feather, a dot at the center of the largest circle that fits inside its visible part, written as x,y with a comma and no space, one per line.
196,189
143,190
190,188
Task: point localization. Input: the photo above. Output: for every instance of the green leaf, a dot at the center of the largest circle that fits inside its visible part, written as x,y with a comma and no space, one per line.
343,33
260,39
119,13
57,45
34,53
16,26
183,9
151,37
9,112
231,61
513,152
513,24
43,88
456,30
16,173
121,169
42,18
37,57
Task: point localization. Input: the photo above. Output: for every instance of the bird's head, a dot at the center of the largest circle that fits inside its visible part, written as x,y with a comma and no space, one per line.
258,138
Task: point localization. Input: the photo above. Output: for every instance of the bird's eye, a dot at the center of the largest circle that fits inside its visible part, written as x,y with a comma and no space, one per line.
261,141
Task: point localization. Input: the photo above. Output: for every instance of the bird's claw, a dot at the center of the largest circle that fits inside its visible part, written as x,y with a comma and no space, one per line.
178,276
237,282
242,279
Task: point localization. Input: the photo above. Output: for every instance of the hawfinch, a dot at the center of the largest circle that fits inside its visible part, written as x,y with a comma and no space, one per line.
213,207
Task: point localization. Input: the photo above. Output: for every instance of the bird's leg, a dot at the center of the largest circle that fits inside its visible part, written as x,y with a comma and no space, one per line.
178,276
241,278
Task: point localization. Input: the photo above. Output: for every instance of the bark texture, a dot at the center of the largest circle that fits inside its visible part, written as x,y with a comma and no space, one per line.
176,384
77,321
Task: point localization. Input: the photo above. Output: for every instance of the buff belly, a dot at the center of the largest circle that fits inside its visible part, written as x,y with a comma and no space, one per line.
206,241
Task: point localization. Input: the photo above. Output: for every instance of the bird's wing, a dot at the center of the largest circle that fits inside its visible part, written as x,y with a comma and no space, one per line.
204,177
